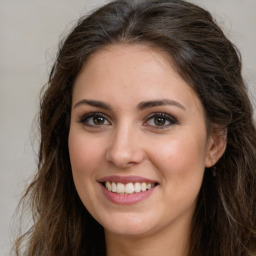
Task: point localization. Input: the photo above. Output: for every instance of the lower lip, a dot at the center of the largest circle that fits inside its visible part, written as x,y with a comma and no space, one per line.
127,198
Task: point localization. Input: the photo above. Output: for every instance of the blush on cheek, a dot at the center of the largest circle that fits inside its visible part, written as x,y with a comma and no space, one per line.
178,159
78,150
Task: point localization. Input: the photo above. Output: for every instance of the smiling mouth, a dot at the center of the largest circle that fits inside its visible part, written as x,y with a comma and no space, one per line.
128,188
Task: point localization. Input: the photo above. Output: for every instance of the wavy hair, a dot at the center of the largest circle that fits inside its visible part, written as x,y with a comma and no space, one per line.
224,221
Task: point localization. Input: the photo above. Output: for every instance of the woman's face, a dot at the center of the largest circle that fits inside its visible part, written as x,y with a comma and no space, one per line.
138,143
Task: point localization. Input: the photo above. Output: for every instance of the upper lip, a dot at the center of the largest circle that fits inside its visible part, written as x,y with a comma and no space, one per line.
125,179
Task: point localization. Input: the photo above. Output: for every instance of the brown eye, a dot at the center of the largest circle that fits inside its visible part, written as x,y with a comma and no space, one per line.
94,119
98,120
159,121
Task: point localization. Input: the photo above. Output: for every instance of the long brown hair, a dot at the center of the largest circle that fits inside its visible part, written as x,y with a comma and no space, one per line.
224,221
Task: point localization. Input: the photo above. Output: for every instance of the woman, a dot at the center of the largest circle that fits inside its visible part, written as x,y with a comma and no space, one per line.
147,139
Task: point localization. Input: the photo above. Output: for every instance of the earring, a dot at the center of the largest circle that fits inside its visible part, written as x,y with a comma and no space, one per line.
214,173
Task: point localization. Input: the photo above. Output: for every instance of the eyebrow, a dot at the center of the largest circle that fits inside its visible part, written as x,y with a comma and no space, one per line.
141,106
162,102
94,103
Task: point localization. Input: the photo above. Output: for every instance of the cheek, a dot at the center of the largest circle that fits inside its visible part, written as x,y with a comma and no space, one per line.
181,159
83,155
181,163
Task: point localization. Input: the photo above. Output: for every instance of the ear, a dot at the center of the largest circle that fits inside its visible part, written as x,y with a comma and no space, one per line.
216,146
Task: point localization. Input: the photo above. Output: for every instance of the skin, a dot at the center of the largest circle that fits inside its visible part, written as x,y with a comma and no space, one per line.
128,140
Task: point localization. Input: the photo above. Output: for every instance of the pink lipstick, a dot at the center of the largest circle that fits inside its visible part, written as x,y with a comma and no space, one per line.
127,189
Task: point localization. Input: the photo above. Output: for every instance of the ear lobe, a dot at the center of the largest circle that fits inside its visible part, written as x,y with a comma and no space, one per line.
216,147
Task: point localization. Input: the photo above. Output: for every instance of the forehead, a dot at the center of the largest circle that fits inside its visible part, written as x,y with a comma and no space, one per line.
130,54
135,71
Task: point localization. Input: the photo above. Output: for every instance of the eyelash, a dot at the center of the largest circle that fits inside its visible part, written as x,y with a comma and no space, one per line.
89,120
165,117
86,119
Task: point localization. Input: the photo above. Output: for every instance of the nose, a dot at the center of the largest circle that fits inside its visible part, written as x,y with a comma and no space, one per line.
125,148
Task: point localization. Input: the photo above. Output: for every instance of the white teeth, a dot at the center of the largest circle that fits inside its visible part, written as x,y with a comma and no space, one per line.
120,188
114,188
143,186
128,188
137,187
108,185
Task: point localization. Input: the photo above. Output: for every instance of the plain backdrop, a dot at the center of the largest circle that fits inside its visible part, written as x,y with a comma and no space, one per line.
29,34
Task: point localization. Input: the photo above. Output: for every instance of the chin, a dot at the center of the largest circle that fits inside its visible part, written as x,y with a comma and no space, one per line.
131,225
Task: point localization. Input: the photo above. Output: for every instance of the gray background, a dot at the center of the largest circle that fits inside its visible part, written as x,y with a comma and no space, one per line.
30,32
